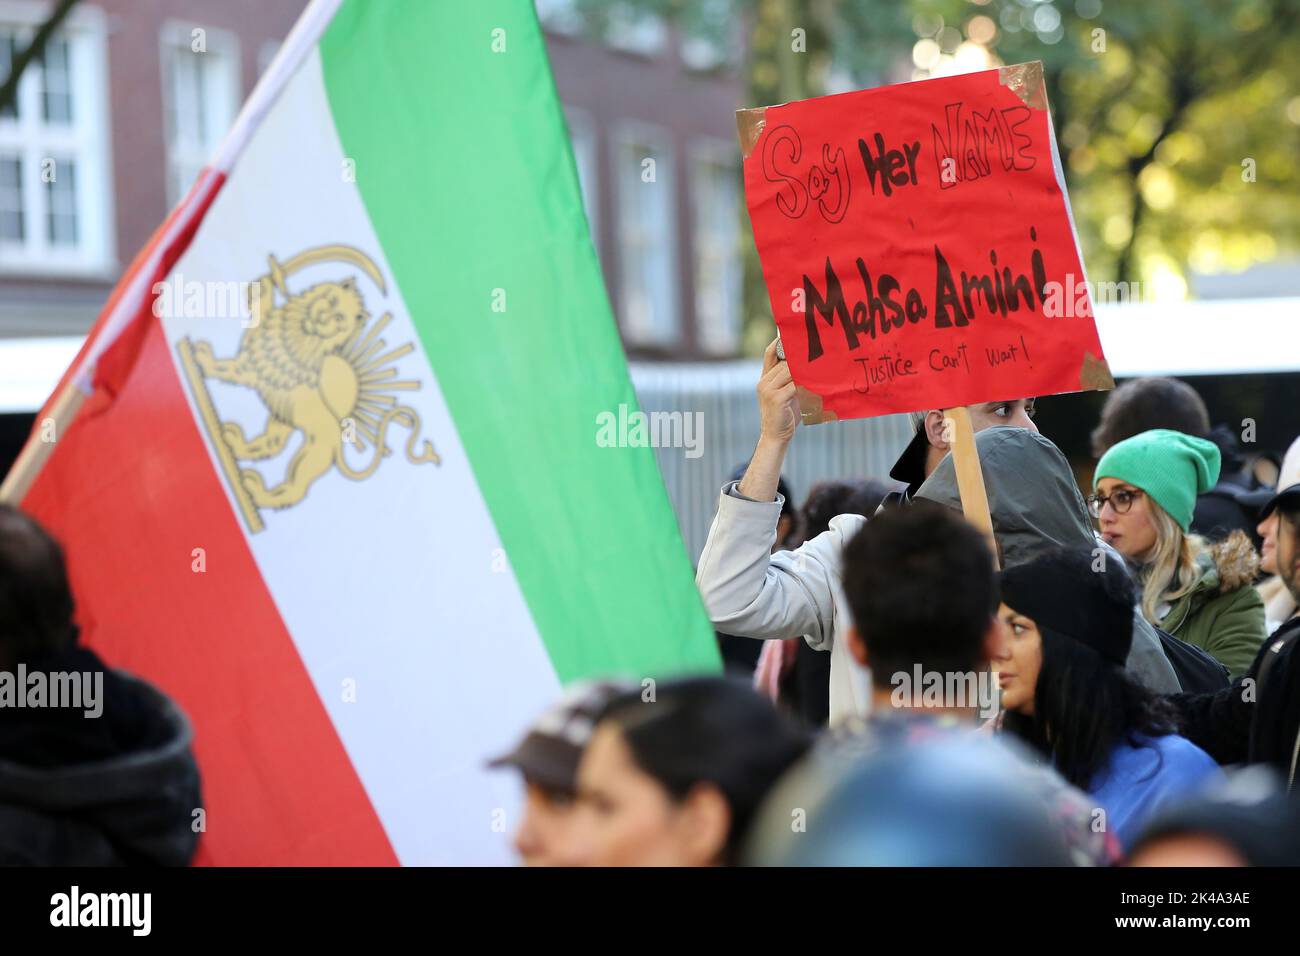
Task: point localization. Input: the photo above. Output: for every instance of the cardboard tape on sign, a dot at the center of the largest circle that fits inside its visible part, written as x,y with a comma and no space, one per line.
1026,81
1094,374
749,124
811,408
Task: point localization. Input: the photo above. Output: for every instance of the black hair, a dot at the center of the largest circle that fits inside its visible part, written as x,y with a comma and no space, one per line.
36,604
1084,706
1142,404
1288,521
830,498
921,586
709,730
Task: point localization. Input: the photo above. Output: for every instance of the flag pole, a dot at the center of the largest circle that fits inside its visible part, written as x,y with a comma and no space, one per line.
38,449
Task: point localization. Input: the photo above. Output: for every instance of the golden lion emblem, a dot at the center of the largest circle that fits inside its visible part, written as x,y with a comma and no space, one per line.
318,364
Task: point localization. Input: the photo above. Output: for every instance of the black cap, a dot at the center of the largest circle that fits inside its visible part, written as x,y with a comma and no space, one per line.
551,750
1289,493
1062,591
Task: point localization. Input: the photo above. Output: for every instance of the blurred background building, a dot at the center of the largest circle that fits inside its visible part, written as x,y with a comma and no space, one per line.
1178,124
108,130
111,126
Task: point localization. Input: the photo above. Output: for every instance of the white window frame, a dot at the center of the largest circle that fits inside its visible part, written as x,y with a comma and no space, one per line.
221,92
714,334
86,141
627,170
586,156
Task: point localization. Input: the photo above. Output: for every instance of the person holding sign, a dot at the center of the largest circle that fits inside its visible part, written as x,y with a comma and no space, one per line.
741,531
919,254
752,592
931,441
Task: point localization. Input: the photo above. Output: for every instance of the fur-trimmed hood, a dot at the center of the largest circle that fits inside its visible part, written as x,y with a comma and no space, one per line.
1222,613
1228,564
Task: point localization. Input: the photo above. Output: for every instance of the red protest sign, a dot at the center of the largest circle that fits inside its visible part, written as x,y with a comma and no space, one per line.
918,248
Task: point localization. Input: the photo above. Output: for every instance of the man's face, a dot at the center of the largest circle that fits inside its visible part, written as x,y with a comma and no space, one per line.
1288,550
1017,414
1267,531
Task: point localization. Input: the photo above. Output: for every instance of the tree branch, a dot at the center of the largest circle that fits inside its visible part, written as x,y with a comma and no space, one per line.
9,91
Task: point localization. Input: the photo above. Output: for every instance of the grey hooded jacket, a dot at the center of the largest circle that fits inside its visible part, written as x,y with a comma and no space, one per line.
1036,505
751,592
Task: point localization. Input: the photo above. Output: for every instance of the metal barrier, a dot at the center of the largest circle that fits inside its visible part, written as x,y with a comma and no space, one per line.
723,395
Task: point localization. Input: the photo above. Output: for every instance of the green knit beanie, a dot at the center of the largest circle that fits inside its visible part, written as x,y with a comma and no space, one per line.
1172,468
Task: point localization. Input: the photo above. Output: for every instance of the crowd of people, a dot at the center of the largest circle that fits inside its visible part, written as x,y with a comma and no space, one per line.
1113,679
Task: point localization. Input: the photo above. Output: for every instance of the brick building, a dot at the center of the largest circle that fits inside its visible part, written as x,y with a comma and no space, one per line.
132,97
108,132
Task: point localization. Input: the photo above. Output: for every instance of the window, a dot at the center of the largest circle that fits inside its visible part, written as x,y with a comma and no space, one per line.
200,99
56,97
61,202
647,232
715,191
12,226
56,199
8,53
582,133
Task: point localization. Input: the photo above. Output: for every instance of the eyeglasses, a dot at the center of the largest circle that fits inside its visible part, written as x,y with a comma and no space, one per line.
1121,500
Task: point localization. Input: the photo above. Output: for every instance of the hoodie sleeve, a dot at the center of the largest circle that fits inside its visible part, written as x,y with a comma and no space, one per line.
750,592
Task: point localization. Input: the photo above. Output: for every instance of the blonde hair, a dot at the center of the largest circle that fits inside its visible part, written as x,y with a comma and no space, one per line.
1170,572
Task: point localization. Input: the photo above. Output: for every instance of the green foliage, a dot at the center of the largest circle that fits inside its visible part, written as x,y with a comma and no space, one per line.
1164,109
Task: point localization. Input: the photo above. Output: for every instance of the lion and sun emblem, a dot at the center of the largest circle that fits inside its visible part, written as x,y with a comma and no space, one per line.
320,367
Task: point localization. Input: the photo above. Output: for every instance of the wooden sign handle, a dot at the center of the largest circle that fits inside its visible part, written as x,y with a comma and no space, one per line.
970,479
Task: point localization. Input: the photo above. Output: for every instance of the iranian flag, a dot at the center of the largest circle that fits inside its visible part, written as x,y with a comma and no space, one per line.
326,468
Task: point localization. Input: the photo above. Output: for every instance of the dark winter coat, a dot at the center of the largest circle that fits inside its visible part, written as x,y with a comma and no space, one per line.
1257,718
117,789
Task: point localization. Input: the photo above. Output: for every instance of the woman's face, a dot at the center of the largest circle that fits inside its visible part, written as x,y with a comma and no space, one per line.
1187,849
544,837
1132,534
1019,661
1268,551
625,817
